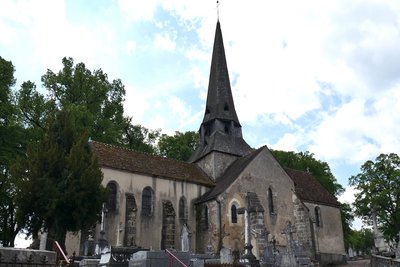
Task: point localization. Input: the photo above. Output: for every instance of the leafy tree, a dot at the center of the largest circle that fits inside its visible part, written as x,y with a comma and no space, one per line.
97,103
10,134
362,240
34,110
378,184
179,146
347,218
139,138
60,184
305,161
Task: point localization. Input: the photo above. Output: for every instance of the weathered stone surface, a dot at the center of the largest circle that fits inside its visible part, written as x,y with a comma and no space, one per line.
26,257
158,258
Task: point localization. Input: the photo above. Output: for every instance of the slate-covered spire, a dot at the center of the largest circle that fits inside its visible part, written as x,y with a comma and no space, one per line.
219,99
220,130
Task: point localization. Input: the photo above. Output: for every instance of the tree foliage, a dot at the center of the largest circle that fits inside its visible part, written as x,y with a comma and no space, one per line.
347,218
60,185
378,184
180,146
305,161
10,134
139,138
362,240
96,102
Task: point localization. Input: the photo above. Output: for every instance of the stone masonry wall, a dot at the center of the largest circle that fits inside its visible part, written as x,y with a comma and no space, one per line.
303,226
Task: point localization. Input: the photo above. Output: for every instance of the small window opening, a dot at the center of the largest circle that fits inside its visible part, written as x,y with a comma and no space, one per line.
233,214
226,107
318,220
226,128
271,201
112,198
204,218
183,213
147,201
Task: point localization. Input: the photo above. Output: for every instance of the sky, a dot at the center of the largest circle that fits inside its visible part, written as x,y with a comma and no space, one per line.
318,76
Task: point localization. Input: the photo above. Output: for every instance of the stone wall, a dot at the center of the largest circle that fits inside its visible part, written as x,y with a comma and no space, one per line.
380,261
27,257
329,234
127,228
304,228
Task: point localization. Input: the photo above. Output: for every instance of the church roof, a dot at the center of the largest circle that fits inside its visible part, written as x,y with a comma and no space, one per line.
222,143
308,189
230,175
128,160
219,99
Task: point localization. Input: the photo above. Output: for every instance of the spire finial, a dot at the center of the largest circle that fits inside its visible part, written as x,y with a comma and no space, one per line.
217,10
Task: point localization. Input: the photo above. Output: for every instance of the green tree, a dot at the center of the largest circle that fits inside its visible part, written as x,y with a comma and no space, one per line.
180,146
378,186
139,138
96,102
347,218
362,240
305,161
34,110
60,184
10,135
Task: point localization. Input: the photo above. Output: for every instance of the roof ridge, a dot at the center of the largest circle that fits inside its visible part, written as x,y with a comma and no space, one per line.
139,152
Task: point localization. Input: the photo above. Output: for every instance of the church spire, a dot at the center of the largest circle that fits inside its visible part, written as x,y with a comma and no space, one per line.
221,140
219,99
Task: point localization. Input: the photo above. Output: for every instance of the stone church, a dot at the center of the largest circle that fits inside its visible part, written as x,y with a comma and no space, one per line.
154,200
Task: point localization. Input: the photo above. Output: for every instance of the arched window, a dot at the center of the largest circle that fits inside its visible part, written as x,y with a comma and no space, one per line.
204,218
233,214
147,201
112,197
183,212
271,201
318,220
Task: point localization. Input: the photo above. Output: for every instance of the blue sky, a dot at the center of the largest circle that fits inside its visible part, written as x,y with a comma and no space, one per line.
321,76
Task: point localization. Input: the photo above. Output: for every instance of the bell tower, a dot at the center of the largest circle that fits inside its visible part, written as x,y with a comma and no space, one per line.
221,140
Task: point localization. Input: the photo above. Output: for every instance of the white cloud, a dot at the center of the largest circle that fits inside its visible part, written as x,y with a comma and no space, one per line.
138,10
348,195
360,130
130,47
165,42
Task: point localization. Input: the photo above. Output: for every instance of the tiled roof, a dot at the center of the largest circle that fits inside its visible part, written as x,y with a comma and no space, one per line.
128,160
308,188
229,176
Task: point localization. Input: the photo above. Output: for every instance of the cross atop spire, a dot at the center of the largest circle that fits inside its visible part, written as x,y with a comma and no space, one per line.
217,10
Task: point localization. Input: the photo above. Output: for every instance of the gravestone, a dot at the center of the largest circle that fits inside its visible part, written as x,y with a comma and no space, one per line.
26,257
226,256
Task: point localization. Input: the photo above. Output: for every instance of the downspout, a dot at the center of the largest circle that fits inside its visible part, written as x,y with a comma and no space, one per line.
220,225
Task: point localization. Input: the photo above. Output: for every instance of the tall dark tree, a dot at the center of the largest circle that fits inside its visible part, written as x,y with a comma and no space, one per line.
10,134
60,185
96,102
305,161
180,146
378,184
